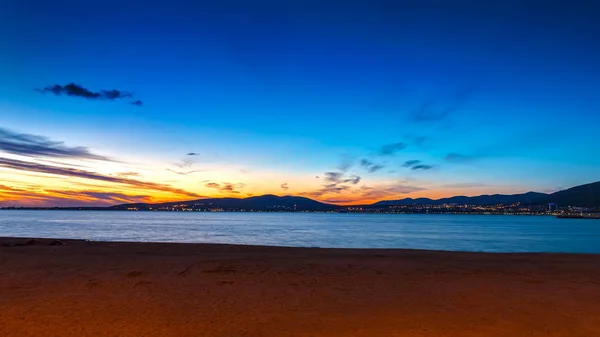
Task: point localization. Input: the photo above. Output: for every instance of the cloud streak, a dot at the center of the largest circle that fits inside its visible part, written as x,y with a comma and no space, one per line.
76,90
391,149
285,186
226,187
28,145
371,166
77,173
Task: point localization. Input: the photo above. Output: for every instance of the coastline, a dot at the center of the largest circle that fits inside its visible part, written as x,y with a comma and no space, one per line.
183,289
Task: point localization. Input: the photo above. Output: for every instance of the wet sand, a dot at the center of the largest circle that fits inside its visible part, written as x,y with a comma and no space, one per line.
150,289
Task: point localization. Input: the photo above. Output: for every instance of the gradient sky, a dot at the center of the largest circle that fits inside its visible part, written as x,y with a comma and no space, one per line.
341,101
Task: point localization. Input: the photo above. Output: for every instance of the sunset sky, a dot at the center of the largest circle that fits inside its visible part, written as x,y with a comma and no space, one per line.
341,101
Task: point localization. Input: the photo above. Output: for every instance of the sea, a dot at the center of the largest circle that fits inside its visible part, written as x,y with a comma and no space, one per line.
475,233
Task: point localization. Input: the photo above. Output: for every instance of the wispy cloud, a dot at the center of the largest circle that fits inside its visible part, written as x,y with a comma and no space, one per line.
421,167
346,163
285,186
28,145
76,90
127,174
416,165
391,149
371,166
459,158
226,187
411,163
185,173
77,173
66,198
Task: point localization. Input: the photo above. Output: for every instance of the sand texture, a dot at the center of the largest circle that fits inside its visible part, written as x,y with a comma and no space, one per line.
148,289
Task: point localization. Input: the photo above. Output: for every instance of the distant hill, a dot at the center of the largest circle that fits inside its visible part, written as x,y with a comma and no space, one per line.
259,203
587,195
481,200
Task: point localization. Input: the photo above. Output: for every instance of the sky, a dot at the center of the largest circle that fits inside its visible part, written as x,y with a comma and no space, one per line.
343,102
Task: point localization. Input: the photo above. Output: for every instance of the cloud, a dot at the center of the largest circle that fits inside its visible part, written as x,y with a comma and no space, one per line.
416,165
370,166
284,186
434,110
411,163
335,182
391,149
185,173
459,158
326,189
77,90
66,198
333,177
346,163
421,167
28,145
77,173
353,180
185,163
193,154
127,174
226,187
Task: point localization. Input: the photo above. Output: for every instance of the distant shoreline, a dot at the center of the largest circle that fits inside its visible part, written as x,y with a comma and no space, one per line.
302,212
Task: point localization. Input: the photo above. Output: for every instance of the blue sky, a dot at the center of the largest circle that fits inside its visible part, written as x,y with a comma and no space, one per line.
494,96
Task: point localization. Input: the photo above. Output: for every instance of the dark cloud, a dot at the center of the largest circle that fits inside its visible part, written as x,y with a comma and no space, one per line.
459,158
391,149
434,110
421,167
226,187
284,186
352,179
333,177
39,146
326,189
77,173
77,90
192,154
370,166
411,163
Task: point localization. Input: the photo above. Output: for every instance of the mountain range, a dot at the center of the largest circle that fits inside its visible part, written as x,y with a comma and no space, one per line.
587,195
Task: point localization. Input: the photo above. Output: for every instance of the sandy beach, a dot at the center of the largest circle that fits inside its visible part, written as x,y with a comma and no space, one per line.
151,289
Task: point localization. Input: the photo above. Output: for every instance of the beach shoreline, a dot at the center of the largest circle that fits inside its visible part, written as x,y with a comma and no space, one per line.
78,287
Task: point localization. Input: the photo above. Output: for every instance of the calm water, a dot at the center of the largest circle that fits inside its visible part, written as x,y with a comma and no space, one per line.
440,232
